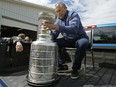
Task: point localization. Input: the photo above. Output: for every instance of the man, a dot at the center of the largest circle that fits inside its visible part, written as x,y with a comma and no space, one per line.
19,46
69,25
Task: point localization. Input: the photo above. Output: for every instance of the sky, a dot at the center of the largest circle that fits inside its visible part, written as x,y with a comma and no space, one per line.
92,12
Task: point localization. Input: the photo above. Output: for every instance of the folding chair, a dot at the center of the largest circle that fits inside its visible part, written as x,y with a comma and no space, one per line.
71,51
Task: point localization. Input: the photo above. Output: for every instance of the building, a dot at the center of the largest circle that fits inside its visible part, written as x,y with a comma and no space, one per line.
20,17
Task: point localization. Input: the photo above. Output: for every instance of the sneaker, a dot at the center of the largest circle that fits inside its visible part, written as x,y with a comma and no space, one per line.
62,67
74,74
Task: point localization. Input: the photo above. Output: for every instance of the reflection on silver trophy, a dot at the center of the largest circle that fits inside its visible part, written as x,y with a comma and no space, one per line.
43,56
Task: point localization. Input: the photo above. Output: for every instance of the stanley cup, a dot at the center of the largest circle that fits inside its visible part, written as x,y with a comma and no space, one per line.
43,57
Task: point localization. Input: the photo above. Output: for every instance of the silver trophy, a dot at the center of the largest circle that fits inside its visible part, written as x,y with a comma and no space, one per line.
43,57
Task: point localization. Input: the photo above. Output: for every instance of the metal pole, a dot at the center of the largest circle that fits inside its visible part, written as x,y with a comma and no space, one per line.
0,24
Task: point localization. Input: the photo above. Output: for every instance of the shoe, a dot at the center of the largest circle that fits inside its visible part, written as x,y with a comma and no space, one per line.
62,67
74,74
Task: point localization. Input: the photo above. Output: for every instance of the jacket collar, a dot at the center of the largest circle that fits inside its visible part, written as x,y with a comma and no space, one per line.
65,17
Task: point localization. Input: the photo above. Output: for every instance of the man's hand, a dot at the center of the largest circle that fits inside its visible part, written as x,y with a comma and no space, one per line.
49,25
19,47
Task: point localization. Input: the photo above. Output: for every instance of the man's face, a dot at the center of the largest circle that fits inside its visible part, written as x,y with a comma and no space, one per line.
60,10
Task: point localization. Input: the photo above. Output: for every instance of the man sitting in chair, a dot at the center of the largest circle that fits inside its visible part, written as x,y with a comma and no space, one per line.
69,25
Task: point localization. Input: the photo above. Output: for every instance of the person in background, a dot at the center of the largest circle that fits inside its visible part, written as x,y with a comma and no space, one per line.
68,23
19,46
21,37
26,40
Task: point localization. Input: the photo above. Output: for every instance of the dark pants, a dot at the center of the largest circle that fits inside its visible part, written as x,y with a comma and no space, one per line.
80,44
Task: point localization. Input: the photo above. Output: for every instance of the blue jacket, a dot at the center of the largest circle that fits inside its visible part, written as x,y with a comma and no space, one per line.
70,27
